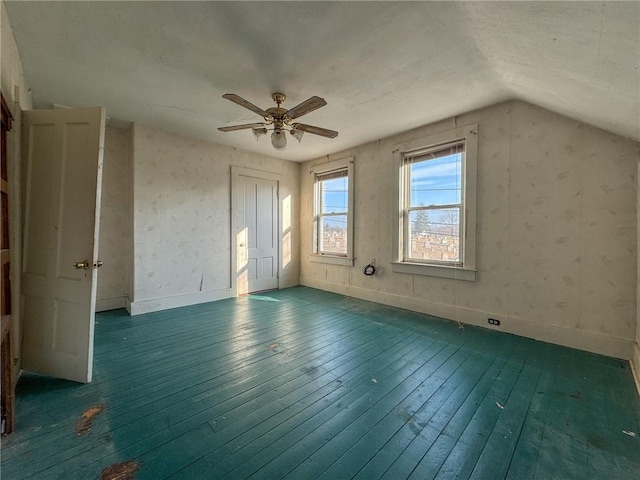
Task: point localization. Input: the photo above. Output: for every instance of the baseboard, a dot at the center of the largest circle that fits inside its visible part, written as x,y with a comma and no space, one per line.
157,304
104,304
579,339
635,365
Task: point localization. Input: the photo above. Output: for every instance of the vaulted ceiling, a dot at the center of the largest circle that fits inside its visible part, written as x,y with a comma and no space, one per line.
383,67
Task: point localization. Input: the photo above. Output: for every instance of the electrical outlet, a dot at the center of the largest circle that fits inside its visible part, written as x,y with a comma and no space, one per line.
493,321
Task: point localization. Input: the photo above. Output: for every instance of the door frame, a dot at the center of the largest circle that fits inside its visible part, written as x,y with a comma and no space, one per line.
236,173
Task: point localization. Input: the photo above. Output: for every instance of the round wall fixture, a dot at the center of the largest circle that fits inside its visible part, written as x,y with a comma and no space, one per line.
370,270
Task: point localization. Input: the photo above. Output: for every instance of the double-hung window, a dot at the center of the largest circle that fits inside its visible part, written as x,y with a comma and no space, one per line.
436,220
333,213
433,198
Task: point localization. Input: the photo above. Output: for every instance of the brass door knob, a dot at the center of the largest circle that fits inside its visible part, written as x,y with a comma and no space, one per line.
84,265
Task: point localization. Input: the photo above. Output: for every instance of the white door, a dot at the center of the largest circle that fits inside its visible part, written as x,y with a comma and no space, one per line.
63,149
255,209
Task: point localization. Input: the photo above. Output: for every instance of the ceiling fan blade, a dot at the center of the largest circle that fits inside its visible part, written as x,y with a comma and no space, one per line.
323,132
232,128
245,103
309,105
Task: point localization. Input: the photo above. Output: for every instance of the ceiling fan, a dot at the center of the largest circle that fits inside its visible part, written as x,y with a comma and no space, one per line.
280,120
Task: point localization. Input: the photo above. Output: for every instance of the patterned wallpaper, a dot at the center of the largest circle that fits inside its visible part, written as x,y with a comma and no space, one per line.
556,227
181,213
115,232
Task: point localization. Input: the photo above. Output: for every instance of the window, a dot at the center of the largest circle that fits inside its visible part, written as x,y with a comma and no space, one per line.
333,210
433,205
436,185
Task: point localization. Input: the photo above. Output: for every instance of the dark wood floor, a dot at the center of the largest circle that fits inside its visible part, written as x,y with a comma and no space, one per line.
303,384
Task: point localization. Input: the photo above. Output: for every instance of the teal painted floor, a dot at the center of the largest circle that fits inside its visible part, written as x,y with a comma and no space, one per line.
303,384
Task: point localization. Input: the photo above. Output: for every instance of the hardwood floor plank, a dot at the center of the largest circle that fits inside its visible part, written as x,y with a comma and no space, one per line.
157,419
351,449
279,410
564,437
612,410
135,391
289,434
292,413
305,384
309,441
525,456
195,361
506,431
427,451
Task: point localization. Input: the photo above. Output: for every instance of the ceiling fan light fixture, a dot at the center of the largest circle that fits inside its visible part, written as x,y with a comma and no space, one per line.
297,134
258,132
279,139
279,119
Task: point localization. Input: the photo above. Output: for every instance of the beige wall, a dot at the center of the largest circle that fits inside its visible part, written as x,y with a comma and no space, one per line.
556,231
11,71
181,218
115,225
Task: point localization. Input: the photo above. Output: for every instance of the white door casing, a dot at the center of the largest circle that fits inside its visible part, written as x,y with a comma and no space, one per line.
63,150
255,242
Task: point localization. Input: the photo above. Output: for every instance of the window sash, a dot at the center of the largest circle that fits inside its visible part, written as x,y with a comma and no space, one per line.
320,178
425,155
320,235
408,252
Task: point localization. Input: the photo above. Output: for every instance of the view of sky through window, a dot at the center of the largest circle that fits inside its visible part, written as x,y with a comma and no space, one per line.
437,181
335,199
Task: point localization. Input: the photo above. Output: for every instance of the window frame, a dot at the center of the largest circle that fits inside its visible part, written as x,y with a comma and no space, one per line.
346,164
465,268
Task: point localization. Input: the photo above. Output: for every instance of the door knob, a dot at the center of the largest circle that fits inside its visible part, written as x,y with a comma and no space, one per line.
82,265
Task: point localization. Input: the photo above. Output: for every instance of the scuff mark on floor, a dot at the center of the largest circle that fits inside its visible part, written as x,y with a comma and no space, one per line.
86,420
120,471
576,395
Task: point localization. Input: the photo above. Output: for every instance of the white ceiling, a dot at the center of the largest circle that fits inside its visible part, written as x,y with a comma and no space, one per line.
383,67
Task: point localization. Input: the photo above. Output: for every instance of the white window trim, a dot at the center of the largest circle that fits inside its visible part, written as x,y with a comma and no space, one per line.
468,269
315,256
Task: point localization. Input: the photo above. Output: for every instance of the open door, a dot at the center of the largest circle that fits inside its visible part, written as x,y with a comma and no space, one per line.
63,151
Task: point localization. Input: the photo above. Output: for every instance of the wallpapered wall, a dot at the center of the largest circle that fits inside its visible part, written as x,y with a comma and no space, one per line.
556,231
181,219
115,211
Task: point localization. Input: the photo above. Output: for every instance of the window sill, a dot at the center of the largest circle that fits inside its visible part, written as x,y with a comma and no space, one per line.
331,259
442,271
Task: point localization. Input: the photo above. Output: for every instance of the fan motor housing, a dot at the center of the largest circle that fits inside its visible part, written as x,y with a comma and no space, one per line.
276,112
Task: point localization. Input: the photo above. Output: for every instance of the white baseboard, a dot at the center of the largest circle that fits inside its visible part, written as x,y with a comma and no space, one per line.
104,304
568,337
635,365
157,304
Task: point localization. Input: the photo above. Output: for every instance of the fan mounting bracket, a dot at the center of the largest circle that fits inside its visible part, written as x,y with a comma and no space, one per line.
278,98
